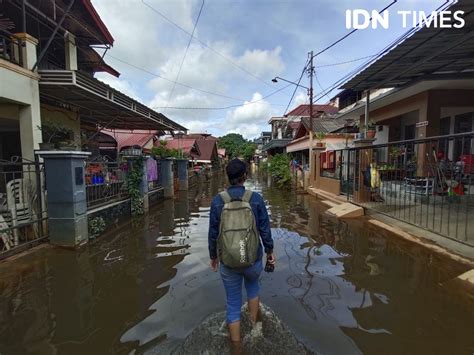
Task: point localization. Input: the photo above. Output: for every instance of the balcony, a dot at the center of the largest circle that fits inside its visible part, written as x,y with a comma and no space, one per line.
10,48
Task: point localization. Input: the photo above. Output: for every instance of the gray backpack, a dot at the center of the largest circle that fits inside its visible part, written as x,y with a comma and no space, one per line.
238,239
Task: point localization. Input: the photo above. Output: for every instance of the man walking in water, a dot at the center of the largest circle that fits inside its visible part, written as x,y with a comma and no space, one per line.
238,221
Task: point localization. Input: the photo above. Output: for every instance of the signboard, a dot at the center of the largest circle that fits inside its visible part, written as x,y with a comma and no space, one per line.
422,124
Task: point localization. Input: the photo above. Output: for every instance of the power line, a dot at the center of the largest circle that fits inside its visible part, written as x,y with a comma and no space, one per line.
319,84
350,33
172,81
296,88
205,44
346,62
185,53
225,107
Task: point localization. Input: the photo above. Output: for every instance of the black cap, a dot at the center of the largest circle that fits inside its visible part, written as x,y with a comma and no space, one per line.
236,168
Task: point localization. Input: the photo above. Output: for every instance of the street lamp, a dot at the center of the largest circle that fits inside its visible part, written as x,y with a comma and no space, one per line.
275,80
310,71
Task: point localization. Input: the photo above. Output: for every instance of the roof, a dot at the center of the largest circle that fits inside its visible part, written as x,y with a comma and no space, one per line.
98,21
201,136
294,124
276,143
185,144
303,110
326,125
207,149
428,53
100,104
129,139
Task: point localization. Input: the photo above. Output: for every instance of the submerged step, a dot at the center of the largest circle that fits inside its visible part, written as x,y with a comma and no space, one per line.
346,210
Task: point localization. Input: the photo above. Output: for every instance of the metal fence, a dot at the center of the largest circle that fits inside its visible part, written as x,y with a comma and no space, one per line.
425,182
22,205
11,47
105,182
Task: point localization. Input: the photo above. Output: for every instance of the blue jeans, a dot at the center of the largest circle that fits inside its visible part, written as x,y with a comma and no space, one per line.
232,279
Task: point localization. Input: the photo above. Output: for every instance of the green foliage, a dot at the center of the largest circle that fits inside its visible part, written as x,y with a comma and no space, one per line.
263,165
133,182
163,152
96,227
53,132
320,136
248,150
236,146
279,169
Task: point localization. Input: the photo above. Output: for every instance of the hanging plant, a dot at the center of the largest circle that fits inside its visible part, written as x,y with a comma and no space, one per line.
133,182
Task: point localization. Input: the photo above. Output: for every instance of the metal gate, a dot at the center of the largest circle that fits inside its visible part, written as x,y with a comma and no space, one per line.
23,214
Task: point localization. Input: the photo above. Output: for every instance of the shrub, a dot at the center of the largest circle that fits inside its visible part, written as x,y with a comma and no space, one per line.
279,169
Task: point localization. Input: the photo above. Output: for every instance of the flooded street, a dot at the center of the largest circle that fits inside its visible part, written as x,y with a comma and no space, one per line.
341,287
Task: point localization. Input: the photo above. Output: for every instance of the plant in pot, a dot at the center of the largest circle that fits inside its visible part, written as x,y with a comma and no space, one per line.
320,137
54,133
371,130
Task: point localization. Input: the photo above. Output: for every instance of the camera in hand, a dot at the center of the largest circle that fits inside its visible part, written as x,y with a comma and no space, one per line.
269,266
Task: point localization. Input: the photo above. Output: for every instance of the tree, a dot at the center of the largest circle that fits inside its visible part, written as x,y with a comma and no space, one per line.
248,151
233,144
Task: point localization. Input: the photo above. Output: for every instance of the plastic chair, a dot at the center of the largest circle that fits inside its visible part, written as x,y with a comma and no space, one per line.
18,205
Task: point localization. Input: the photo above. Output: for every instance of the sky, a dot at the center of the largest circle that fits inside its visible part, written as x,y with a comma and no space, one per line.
223,73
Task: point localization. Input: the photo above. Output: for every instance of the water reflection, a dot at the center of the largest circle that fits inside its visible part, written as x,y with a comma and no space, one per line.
342,287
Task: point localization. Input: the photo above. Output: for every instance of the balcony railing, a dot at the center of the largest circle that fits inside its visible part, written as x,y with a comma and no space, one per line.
10,47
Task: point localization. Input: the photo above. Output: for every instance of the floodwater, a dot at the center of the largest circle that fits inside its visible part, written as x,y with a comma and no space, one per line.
341,287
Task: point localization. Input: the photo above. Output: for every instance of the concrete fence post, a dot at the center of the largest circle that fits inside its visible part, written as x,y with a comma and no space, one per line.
167,177
131,160
182,174
66,191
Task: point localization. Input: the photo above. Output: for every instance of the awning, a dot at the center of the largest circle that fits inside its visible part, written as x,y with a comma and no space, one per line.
430,53
100,104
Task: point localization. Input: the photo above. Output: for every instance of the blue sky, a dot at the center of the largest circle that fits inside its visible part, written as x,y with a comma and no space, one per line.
263,37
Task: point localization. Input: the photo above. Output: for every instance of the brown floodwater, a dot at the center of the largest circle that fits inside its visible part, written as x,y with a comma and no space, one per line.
342,287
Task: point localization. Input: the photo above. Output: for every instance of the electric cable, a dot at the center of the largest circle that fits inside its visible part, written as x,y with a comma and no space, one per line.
185,53
226,107
205,44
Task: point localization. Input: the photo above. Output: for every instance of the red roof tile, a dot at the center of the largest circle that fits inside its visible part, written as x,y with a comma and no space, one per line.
129,139
207,149
185,144
303,110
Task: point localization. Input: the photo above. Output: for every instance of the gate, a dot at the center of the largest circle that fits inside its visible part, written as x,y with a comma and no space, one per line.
23,214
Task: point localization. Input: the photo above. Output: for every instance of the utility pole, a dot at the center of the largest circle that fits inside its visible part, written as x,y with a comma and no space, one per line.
310,93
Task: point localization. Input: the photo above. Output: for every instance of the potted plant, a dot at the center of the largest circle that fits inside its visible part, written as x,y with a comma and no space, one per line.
55,135
371,130
320,137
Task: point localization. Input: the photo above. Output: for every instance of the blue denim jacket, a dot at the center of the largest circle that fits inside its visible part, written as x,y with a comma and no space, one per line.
261,218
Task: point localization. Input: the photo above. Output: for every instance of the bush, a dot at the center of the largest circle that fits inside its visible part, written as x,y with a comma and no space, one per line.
279,169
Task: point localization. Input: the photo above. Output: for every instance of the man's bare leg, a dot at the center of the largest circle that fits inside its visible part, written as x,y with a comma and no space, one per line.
234,330
254,305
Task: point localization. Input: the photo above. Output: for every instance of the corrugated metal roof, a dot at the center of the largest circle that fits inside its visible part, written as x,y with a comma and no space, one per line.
303,110
326,125
185,144
428,53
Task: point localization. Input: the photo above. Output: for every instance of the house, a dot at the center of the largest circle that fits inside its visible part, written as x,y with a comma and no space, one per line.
284,128
201,147
418,96
263,139
48,78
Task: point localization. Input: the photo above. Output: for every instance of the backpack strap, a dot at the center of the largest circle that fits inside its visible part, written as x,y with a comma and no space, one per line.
225,197
247,196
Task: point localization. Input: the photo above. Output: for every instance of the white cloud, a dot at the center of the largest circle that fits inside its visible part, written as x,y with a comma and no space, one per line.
300,99
263,62
249,119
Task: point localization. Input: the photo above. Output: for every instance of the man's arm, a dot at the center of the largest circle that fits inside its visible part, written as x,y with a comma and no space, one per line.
264,227
214,221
